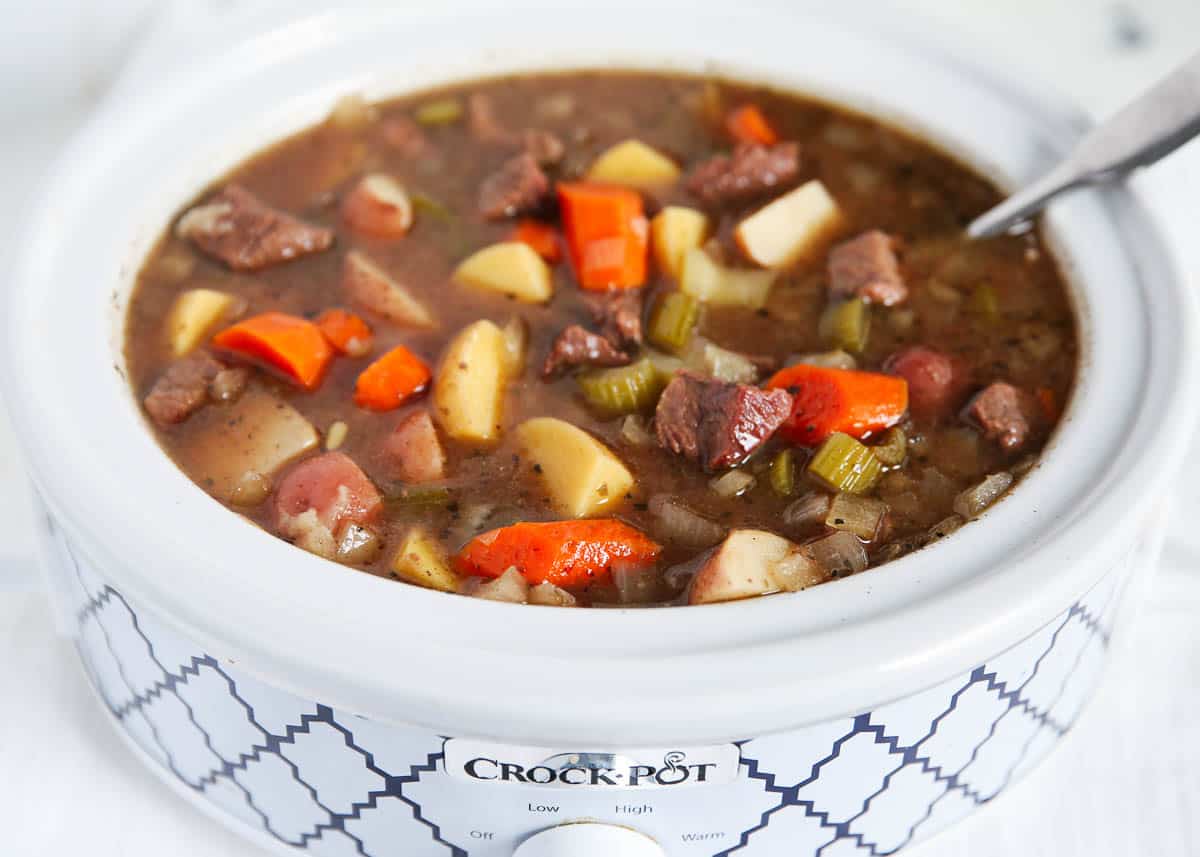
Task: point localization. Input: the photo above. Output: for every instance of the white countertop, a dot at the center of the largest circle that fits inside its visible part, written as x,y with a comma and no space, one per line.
1124,782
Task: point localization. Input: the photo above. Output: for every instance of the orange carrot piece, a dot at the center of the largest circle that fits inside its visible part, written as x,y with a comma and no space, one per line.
346,332
570,554
747,124
542,237
392,380
607,234
825,401
291,346
1049,403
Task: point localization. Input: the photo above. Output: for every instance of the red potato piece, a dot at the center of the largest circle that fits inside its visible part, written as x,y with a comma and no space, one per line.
936,381
867,267
412,451
370,286
320,495
247,234
378,206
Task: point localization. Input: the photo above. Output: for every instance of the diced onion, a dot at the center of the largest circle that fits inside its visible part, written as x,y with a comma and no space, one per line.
634,431
357,544
510,586
732,484
943,528
806,511
336,435
862,516
547,594
970,503
678,523
825,359
840,553
636,585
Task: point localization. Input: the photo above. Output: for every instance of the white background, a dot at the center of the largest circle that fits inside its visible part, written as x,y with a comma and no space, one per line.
1126,781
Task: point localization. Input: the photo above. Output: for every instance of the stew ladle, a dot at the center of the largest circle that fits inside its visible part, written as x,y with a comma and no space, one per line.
1151,126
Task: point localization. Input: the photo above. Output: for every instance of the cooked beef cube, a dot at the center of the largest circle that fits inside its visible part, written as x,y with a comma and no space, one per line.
246,234
618,314
404,135
546,148
229,383
577,346
716,423
1002,412
413,452
752,170
935,380
518,187
482,121
866,267
183,388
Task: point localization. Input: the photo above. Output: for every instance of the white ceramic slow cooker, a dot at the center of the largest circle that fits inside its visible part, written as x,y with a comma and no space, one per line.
316,708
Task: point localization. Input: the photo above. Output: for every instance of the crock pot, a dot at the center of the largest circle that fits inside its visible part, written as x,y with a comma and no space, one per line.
320,709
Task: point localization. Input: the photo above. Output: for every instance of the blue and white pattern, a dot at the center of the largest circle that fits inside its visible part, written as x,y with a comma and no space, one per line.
335,784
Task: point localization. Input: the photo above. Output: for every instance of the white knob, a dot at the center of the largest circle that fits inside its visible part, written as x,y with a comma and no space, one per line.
589,839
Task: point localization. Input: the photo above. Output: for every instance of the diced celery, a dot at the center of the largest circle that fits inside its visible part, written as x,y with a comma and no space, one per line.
783,473
859,515
412,499
844,464
623,390
985,302
426,204
673,320
847,325
705,280
440,112
892,448
729,365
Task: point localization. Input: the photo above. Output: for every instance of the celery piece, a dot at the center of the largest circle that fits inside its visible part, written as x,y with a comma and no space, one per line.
847,325
414,499
624,390
859,515
783,473
673,320
441,112
426,204
707,281
729,365
844,464
985,302
892,448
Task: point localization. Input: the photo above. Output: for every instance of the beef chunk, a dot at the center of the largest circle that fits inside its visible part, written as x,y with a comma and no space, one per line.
246,234
618,314
716,423
577,346
936,381
1002,412
546,148
518,187
752,170
866,267
413,452
403,134
183,388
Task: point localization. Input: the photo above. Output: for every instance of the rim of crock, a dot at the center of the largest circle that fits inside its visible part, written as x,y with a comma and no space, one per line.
403,653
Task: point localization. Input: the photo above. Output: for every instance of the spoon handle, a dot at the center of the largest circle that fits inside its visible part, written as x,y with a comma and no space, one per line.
1156,123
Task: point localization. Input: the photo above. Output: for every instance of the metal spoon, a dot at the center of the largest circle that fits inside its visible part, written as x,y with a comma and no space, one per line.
1148,128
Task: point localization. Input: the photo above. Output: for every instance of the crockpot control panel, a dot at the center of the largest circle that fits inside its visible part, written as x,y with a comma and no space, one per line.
589,839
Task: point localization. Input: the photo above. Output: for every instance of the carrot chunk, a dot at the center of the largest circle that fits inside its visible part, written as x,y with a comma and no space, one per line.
392,380
293,347
825,401
569,554
747,124
542,237
346,332
607,234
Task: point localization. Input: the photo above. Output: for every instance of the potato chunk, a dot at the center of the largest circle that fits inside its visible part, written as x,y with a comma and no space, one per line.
750,563
790,227
370,286
193,315
634,164
581,474
510,268
259,433
469,384
705,280
674,231
420,560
